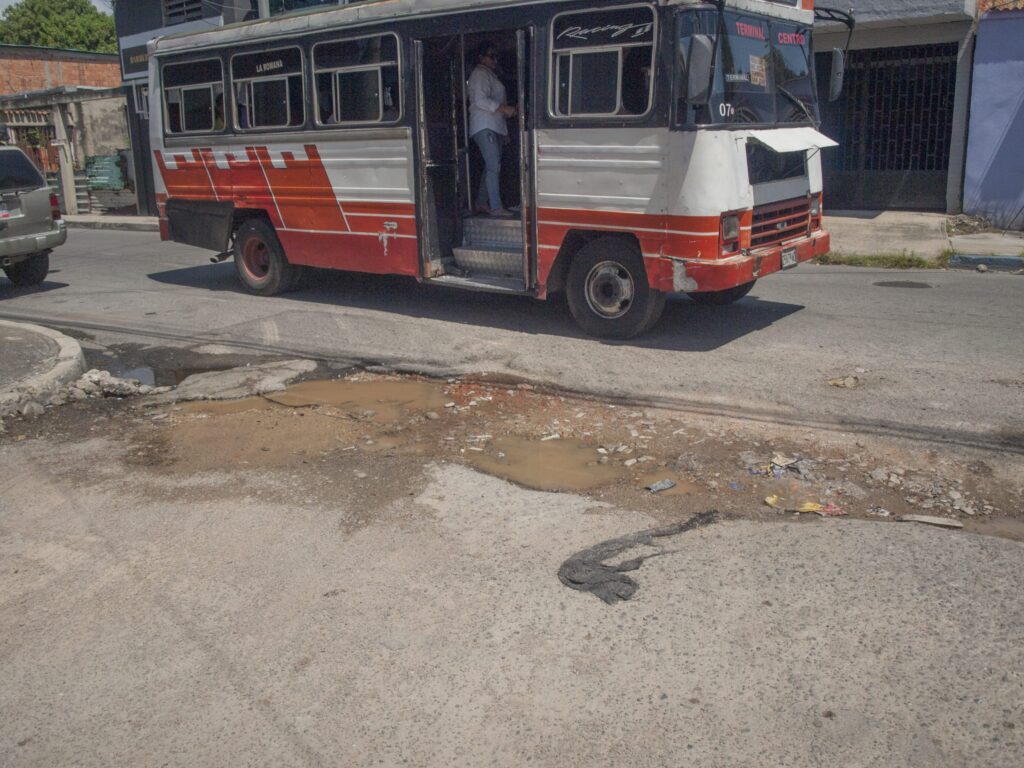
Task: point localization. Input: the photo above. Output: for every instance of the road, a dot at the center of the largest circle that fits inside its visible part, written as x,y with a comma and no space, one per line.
366,571
938,354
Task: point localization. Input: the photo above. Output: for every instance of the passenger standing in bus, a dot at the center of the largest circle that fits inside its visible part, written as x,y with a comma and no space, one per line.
488,114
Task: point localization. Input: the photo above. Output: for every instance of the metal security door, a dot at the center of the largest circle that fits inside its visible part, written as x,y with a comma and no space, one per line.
894,125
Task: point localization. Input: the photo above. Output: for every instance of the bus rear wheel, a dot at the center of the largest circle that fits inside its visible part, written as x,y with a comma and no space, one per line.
724,297
608,292
260,260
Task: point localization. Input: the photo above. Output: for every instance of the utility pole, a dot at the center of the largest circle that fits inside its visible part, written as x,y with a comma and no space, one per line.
263,6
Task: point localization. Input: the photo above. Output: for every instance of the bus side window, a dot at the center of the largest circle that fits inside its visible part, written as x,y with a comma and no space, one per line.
357,81
193,93
602,62
269,90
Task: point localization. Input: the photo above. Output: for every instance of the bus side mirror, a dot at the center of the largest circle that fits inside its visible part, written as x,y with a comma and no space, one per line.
698,73
835,87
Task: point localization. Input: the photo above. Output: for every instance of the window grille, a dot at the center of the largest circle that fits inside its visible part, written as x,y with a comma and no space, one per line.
180,11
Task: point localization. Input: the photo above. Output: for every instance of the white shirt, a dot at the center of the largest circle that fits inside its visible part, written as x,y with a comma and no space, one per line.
486,94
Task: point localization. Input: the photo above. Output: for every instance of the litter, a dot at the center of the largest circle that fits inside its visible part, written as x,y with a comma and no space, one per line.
807,507
588,571
942,522
555,436
845,382
661,485
832,510
783,461
880,512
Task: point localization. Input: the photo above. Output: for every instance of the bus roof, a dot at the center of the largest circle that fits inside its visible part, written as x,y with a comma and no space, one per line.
375,11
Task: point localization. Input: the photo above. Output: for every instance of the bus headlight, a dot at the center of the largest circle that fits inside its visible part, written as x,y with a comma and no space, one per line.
730,228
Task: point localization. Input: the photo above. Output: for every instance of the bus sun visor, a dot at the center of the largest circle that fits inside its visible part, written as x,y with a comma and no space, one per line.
791,139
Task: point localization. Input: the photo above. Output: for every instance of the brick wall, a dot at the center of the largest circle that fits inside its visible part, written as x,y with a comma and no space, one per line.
23,70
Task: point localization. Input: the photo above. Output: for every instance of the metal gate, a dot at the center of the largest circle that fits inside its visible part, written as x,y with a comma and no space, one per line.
894,125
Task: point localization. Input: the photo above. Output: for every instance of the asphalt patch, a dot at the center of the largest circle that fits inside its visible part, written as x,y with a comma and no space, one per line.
588,571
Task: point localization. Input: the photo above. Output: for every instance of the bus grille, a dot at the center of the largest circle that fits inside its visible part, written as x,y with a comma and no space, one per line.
777,222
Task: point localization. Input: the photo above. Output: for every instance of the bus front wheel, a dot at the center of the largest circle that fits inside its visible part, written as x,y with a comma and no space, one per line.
608,292
260,260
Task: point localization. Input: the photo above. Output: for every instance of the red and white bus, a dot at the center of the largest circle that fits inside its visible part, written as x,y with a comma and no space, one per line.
659,147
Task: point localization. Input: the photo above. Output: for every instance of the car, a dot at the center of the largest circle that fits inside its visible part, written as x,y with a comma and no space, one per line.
30,221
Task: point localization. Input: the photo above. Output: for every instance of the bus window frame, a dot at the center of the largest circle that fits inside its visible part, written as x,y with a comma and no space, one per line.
398,64
552,71
248,81
165,93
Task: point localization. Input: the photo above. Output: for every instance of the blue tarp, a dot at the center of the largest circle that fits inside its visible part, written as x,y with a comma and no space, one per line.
994,179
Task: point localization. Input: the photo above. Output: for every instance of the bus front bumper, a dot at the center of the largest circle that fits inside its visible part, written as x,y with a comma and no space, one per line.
700,275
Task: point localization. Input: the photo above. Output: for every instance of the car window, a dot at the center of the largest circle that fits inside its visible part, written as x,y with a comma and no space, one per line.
17,171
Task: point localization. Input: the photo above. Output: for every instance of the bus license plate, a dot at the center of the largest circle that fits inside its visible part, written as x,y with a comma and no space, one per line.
788,258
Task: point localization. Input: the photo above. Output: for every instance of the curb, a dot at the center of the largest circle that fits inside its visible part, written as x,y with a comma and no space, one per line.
1000,263
68,365
145,225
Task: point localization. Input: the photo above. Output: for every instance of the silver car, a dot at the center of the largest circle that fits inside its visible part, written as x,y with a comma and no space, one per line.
30,222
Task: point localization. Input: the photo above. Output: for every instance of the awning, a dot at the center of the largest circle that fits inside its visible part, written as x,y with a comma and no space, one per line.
791,139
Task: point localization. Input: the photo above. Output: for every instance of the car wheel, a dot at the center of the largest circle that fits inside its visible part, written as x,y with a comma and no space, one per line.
260,260
608,292
721,298
31,271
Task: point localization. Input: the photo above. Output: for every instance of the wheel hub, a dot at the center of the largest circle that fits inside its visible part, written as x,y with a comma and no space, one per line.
609,290
255,258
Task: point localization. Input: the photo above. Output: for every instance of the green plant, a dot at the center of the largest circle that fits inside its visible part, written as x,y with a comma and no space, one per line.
901,260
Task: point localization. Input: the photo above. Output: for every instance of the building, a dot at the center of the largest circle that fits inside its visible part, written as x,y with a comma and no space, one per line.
65,108
78,135
902,120
25,68
994,177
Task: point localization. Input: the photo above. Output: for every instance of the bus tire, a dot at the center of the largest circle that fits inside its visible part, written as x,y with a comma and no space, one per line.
722,298
260,260
608,292
31,271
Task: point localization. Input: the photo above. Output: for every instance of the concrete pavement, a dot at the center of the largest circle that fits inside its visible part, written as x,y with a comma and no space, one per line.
155,617
913,232
123,223
34,363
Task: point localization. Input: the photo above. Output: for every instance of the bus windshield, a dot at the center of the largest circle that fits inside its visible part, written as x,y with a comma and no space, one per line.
763,69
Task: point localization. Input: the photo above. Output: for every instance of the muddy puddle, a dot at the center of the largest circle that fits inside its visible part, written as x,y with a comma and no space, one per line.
378,400
379,432
551,465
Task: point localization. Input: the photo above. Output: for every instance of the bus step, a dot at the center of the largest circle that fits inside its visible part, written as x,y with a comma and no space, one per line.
493,233
495,261
484,283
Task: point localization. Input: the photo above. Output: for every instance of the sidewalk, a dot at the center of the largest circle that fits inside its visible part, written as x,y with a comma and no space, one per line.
922,234
35,363
123,223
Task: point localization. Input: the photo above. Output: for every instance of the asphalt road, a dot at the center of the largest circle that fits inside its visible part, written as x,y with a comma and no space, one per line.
939,353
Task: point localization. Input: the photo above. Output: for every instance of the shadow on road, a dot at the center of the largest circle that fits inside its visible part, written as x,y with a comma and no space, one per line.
10,290
685,327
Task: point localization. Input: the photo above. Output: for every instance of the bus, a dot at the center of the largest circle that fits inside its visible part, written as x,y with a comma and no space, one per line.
657,147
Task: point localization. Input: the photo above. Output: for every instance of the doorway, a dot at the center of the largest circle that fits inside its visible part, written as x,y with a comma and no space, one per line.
458,243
